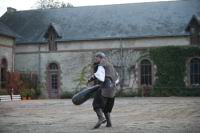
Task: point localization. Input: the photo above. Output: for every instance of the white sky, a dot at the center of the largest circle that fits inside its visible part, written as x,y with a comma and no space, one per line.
31,4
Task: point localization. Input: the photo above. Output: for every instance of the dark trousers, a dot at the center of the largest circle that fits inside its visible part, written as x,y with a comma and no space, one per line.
104,103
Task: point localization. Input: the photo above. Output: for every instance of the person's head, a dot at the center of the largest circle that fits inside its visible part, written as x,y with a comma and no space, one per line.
99,56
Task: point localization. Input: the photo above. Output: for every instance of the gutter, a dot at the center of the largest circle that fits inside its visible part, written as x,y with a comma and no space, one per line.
99,39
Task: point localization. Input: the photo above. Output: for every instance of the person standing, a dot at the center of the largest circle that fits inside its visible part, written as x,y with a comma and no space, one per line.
106,76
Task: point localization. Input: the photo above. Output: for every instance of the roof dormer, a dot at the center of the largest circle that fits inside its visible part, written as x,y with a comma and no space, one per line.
194,29
52,34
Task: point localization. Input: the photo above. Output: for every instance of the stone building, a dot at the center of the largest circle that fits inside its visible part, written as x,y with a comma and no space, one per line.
7,51
58,43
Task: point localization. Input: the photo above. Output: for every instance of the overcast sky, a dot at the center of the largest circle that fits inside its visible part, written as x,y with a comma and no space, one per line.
31,4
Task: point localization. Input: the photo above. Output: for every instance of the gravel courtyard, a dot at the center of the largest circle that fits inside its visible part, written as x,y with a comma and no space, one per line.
130,115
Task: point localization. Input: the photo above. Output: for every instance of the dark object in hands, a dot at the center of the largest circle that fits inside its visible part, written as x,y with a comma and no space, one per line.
91,79
84,95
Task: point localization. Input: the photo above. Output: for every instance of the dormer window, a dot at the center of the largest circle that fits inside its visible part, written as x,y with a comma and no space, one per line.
52,35
52,40
194,29
3,72
195,38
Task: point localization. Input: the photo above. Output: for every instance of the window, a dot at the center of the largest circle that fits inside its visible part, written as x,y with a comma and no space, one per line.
3,73
195,71
146,72
54,76
53,67
53,80
193,28
51,40
195,36
52,34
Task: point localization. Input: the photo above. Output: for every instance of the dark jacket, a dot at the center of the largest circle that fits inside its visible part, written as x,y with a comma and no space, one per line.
108,86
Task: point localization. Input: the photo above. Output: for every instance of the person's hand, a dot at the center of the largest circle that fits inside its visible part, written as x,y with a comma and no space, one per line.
90,79
87,83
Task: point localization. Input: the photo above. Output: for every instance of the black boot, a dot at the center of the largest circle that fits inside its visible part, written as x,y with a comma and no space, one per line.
109,124
101,119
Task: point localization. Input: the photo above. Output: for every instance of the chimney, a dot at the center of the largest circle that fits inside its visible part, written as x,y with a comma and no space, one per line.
10,9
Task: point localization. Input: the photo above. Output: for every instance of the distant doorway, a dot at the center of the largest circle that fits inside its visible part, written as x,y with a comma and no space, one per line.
3,78
53,80
146,72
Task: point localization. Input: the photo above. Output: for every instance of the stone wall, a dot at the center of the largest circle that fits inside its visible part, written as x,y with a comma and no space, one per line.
72,57
6,50
70,64
6,53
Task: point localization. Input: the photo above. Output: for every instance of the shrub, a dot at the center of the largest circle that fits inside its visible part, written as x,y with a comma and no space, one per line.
37,91
27,93
67,95
23,92
4,92
175,92
126,93
33,93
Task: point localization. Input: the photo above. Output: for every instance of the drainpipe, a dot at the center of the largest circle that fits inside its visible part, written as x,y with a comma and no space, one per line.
122,64
0,75
39,64
13,56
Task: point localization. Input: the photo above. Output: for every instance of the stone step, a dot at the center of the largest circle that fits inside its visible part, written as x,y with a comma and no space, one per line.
16,97
5,98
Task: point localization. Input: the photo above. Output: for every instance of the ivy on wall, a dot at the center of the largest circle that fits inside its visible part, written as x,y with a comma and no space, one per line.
81,78
171,69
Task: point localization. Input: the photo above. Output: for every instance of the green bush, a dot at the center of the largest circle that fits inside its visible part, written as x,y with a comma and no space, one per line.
25,92
37,92
190,92
175,92
33,93
4,92
28,93
126,93
165,92
67,95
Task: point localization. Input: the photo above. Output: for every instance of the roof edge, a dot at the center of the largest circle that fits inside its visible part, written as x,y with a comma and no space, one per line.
99,39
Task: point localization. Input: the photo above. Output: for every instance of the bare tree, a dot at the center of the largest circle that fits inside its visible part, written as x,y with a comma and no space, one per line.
46,4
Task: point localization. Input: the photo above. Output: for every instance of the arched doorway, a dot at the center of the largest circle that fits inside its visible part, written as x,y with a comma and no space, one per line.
195,72
146,72
53,80
4,67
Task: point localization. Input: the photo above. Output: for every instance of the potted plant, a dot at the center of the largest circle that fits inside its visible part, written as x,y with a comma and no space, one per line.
23,93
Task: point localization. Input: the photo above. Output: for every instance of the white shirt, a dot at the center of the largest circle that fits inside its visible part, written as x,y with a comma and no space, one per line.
117,81
100,73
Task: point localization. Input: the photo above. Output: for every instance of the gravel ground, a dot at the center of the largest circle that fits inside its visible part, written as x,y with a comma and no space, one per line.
130,115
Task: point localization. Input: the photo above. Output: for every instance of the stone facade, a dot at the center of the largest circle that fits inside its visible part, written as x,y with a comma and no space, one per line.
59,44
6,55
72,57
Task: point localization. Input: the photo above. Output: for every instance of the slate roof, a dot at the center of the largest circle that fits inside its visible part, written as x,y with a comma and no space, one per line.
6,31
105,22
